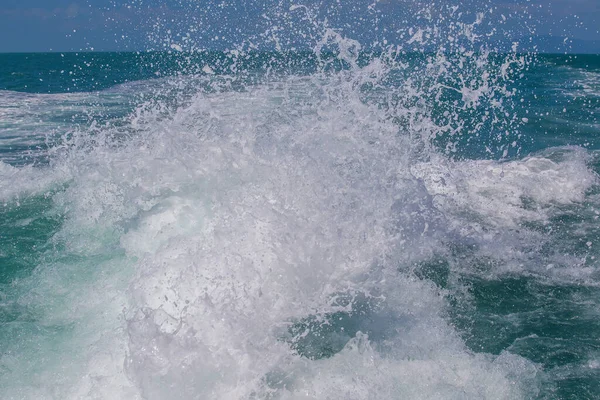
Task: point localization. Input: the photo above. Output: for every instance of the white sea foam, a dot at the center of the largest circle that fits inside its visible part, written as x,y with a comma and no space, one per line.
499,192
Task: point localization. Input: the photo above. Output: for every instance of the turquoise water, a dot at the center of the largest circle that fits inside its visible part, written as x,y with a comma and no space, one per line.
299,225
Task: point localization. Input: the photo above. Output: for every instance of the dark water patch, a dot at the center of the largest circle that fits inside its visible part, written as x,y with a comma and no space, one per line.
554,325
436,270
317,338
26,230
322,336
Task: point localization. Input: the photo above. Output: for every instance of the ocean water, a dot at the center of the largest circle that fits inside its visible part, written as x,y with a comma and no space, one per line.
334,223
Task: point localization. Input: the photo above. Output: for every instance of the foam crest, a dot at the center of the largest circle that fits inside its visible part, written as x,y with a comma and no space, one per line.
505,194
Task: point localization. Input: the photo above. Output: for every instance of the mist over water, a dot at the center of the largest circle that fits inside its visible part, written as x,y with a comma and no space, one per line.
313,213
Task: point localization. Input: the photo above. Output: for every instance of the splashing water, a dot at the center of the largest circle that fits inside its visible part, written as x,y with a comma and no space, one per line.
335,222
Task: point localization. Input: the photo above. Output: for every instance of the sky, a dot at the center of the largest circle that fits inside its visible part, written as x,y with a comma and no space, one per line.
109,25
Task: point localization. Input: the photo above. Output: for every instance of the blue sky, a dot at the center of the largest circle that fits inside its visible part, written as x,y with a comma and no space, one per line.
73,25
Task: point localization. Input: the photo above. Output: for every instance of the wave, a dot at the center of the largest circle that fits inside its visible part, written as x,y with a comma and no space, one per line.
280,238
